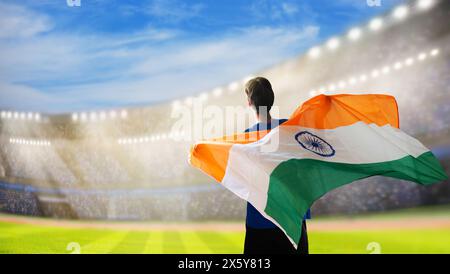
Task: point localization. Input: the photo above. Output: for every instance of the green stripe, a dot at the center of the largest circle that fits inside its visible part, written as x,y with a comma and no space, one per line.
295,184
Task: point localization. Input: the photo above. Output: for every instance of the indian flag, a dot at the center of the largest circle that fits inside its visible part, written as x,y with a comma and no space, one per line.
328,142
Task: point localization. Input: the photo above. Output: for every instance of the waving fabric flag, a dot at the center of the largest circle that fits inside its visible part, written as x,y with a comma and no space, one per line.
328,142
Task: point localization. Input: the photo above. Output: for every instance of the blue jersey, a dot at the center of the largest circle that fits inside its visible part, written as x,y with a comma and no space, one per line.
254,218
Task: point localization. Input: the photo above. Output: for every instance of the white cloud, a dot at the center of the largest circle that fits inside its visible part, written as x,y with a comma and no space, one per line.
289,8
273,9
182,69
174,11
19,22
64,72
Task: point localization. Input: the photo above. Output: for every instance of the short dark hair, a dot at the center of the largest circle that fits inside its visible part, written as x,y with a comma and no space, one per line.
259,92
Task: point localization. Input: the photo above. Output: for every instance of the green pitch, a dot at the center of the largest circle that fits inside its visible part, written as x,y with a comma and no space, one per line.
34,238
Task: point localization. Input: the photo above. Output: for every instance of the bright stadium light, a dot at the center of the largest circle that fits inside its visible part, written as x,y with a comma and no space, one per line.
203,97
123,114
333,43
3,114
93,116
30,116
375,73
22,116
314,52
342,84
112,114
409,61
363,78
425,4
9,114
386,70
352,81
74,117
332,87
434,52
398,65
354,34
233,86
37,117
422,56
401,12
16,115
376,24
217,92
102,116
83,116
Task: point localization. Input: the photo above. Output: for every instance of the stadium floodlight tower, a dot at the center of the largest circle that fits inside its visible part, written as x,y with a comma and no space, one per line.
376,24
354,34
401,12
314,52
425,4
217,92
233,86
333,43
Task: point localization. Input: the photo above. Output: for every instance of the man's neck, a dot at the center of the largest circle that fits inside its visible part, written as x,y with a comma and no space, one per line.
265,118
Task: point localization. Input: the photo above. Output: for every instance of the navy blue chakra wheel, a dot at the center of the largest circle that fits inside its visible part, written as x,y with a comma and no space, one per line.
314,144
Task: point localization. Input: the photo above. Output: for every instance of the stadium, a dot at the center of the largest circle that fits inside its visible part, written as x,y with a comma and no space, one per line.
119,181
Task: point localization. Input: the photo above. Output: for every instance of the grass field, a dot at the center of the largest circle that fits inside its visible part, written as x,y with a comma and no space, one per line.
423,230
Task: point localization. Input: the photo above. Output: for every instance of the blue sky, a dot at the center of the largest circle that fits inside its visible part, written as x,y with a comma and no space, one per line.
110,53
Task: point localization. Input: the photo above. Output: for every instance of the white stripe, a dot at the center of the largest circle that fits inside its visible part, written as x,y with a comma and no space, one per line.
250,165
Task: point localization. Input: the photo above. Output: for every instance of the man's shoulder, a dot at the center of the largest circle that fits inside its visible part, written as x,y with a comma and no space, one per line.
274,123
